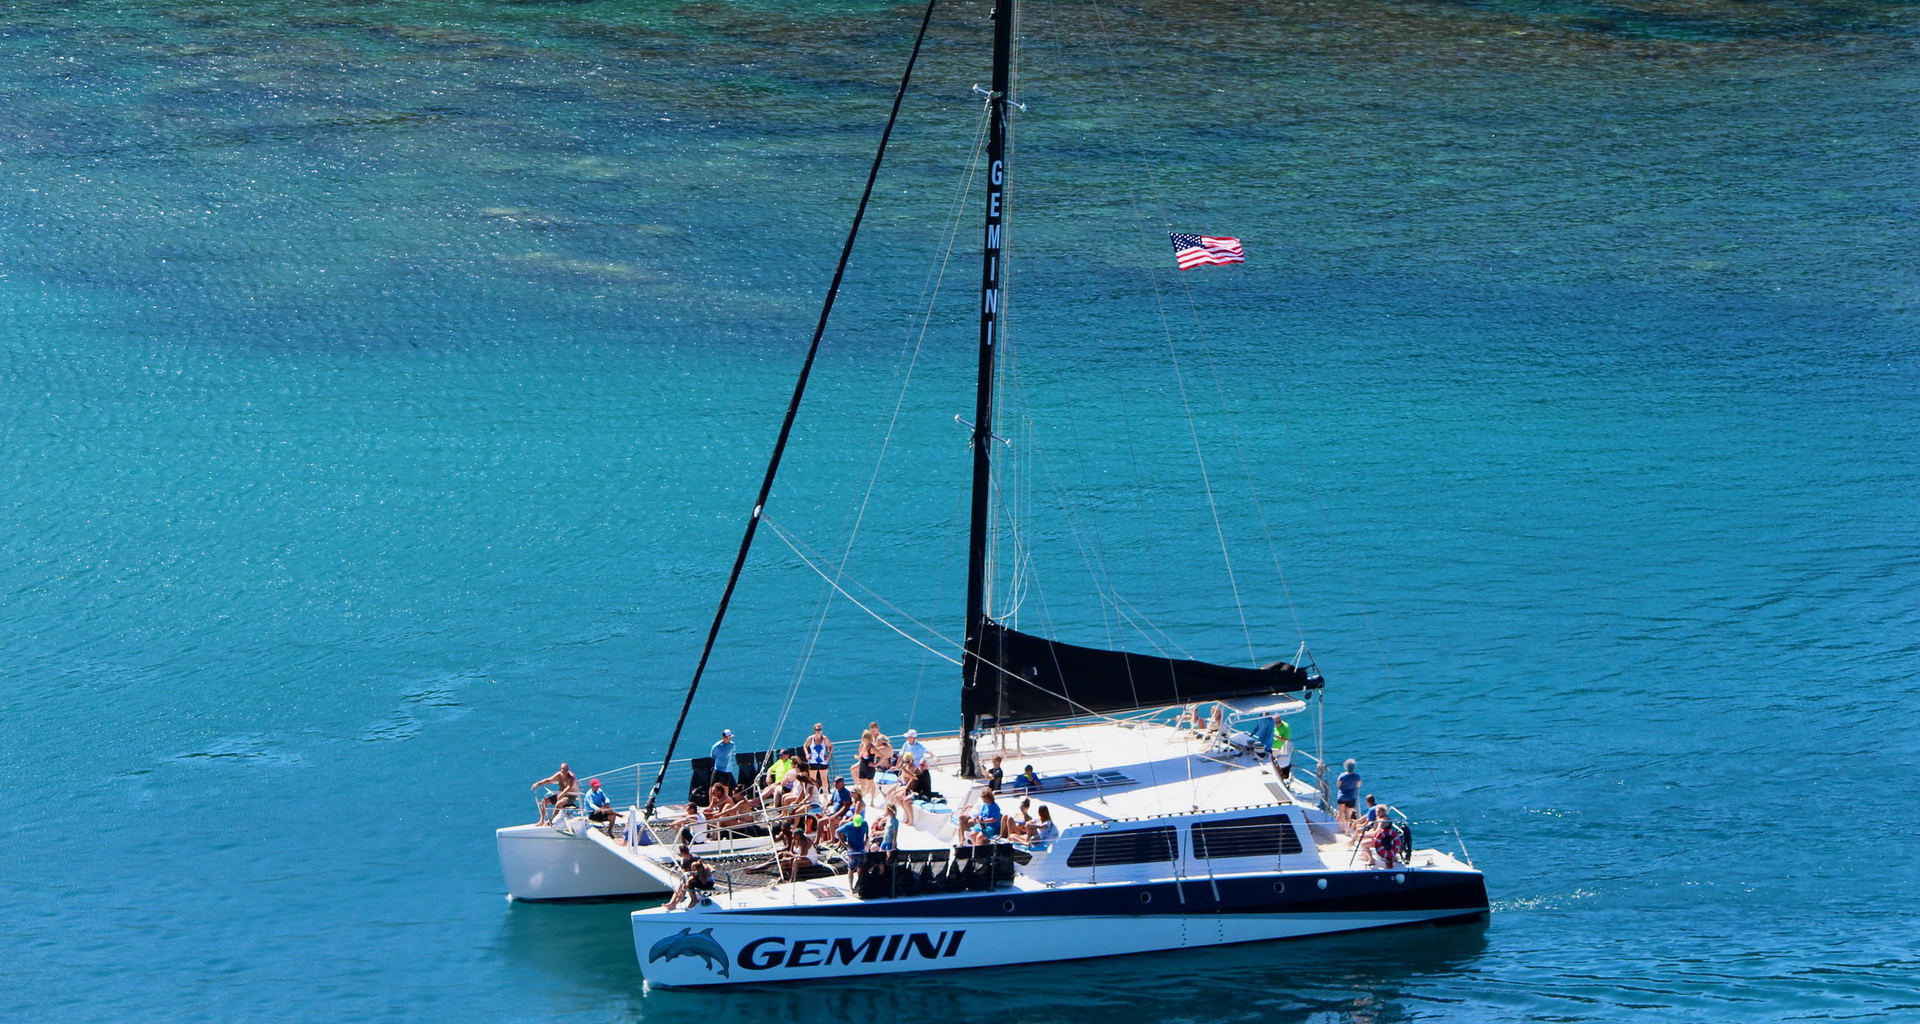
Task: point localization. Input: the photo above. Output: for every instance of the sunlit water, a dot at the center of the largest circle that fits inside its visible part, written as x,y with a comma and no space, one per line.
383,386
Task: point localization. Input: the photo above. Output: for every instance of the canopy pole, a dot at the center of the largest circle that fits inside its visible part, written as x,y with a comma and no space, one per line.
793,410
993,234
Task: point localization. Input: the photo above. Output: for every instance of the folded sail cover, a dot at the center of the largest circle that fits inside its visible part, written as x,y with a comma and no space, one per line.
1028,678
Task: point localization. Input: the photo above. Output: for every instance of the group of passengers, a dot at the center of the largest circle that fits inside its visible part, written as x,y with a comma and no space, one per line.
985,822
808,813
1374,832
566,795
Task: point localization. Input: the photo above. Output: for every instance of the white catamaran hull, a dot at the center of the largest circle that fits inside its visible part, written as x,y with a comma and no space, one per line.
689,949
542,863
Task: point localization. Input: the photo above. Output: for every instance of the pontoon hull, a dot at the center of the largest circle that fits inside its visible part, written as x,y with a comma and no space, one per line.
719,947
542,863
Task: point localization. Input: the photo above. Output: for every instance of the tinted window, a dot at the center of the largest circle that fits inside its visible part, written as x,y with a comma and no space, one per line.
1130,846
1246,837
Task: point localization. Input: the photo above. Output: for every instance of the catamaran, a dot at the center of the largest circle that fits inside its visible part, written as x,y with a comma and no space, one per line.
1170,826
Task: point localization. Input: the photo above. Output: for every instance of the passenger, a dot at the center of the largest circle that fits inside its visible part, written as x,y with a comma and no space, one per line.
1044,830
1262,732
817,755
696,879
912,747
599,804
776,772
922,762
854,834
692,828
1217,722
723,762
1020,823
996,775
1347,793
884,832
725,806
839,801
1283,759
900,793
789,795
800,795
795,852
869,763
882,749
1189,718
1380,834
1028,780
567,795
986,824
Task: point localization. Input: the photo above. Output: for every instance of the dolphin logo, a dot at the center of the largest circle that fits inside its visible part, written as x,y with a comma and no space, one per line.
686,942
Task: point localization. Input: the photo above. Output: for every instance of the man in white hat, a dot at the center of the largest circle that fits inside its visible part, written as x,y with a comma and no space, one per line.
912,748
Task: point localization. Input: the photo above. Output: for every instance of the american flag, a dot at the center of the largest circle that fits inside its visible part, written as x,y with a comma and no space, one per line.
1194,250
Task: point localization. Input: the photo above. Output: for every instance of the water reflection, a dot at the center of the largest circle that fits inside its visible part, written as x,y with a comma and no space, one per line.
584,944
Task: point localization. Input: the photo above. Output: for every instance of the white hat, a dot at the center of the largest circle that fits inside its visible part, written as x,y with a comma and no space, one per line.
911,734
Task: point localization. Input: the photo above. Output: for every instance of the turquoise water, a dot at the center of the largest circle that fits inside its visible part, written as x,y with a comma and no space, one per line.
384,387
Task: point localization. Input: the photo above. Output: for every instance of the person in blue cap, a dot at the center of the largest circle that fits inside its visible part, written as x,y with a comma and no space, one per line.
723,764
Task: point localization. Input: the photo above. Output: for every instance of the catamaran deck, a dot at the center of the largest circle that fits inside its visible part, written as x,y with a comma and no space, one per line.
1095,777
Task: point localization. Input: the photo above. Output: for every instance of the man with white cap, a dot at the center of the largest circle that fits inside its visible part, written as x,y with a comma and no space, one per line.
723,766
912,748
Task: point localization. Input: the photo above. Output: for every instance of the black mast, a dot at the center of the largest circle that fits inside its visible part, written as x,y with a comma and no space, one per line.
972,666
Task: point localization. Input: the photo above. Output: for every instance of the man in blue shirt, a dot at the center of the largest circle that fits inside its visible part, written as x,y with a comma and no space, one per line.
723,766
1028,780
854,834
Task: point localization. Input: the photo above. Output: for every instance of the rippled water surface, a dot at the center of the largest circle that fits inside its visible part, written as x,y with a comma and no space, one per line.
383,386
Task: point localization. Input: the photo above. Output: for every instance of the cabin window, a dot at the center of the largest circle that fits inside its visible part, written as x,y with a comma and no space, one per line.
1269,836
1126,846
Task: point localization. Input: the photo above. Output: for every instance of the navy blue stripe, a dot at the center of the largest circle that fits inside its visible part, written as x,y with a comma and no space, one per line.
1346,892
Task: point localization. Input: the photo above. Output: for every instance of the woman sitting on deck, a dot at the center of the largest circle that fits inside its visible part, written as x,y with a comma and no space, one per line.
795,852
1019,826
900,794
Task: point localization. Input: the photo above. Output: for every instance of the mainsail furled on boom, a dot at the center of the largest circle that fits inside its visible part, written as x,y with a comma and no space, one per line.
1027,678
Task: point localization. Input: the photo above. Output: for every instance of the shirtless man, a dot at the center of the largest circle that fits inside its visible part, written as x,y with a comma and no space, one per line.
568,795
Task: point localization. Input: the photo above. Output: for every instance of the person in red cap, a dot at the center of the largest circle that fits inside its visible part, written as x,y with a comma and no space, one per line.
599,804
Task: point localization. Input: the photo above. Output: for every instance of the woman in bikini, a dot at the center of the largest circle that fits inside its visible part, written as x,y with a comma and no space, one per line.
866,769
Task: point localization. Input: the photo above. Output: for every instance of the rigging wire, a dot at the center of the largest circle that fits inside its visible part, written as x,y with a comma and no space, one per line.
1153,277
793,409
1293,612
930,293
795,546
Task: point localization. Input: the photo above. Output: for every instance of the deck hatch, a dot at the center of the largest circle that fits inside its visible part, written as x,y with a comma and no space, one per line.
1269,836
1124,846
